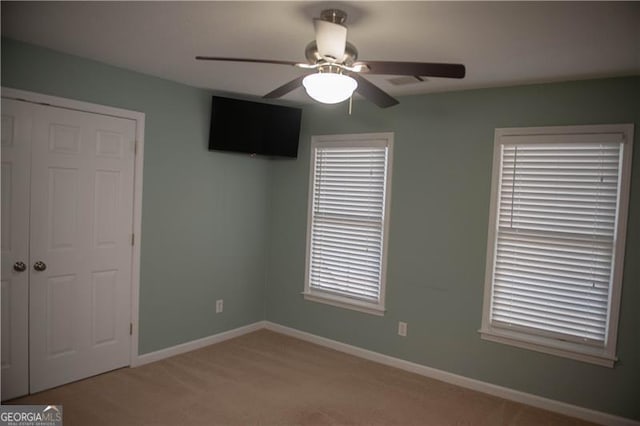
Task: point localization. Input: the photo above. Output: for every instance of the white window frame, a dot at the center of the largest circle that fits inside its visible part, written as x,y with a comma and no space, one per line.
606,355
351,140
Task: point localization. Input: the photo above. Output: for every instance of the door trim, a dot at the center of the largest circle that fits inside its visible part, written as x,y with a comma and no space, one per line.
139,118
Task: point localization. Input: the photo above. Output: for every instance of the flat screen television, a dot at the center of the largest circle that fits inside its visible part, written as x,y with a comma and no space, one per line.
254,127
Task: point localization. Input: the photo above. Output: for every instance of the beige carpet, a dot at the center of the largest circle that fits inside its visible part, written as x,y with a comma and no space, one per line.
265,378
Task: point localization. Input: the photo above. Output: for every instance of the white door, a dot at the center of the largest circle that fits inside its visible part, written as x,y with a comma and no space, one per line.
81,213
16,140
81,227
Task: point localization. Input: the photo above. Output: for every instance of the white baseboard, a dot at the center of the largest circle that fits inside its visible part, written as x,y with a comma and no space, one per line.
196,344
455,379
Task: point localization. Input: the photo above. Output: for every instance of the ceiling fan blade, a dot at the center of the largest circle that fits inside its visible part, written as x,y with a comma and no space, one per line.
373,93
427,69
257,61
285,88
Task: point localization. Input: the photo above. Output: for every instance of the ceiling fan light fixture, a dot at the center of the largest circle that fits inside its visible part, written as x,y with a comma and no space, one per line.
328,87
331,55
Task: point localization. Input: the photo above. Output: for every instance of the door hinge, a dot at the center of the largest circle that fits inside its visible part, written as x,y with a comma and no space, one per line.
133,239
130,329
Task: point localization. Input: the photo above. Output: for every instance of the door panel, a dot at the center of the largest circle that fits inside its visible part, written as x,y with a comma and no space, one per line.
63,193
107,194
105,309
60,291
16,141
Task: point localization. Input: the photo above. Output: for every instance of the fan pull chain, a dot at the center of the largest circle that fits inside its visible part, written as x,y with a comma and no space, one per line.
350,103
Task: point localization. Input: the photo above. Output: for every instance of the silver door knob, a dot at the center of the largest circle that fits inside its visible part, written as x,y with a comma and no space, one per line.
39,266
19,267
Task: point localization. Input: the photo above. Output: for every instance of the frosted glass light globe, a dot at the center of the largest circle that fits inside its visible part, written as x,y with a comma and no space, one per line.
329,88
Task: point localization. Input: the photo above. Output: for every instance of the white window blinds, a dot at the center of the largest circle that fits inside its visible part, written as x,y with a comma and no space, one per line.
347,219
556,242
555,238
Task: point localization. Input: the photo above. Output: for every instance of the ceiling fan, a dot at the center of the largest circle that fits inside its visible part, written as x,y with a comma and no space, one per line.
333,71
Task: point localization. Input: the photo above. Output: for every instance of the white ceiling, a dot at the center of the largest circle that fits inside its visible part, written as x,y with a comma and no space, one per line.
501,43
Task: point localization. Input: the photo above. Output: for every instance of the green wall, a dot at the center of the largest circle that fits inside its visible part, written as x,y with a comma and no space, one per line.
214,223
204,214
438,237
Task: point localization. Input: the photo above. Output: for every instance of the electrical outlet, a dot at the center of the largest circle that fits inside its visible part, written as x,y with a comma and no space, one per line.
402,328
219,306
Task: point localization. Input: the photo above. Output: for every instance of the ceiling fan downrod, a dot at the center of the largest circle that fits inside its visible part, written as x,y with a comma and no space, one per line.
335,16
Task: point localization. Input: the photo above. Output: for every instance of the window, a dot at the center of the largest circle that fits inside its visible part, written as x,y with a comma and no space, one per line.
556,239
348,216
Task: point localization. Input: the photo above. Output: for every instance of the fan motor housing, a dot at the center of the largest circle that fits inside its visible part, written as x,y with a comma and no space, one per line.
313,57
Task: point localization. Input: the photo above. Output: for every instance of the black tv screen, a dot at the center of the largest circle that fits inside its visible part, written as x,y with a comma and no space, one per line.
254,128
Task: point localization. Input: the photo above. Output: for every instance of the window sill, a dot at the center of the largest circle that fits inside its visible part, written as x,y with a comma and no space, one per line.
570,350
344,302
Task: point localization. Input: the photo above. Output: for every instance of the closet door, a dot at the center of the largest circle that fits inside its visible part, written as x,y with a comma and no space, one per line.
14,235
80,240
